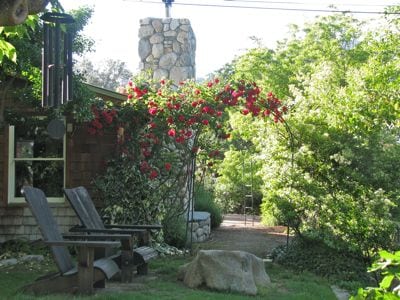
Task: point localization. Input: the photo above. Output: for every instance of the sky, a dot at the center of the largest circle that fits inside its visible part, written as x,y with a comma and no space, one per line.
221,32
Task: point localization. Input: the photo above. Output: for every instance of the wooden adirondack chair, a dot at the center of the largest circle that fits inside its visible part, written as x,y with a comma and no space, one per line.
82,203
69,279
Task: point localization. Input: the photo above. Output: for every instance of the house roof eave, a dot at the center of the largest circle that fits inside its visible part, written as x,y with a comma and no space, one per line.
105,93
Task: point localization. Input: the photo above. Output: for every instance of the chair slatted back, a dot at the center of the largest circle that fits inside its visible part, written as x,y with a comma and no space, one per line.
48,227
81,202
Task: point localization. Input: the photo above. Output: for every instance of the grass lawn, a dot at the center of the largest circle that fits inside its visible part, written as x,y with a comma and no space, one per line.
161,283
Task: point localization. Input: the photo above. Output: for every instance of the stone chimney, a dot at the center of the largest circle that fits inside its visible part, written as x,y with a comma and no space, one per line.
167,48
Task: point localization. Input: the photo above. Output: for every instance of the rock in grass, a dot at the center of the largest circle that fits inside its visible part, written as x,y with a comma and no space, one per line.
8,262
32,258
235,271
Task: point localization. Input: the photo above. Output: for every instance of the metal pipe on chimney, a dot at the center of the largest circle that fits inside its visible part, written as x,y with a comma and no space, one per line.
168,5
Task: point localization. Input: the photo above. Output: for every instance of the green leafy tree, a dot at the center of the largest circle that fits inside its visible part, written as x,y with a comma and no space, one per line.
333,175
25,40
109,75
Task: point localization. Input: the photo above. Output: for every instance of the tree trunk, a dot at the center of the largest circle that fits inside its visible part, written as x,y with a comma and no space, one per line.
4,88
14,12
37,6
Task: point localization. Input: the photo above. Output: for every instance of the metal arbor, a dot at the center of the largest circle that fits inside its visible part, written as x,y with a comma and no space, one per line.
244,147
57,59
249,193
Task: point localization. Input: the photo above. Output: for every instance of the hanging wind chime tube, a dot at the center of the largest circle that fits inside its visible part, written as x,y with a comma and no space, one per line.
57,59
168,5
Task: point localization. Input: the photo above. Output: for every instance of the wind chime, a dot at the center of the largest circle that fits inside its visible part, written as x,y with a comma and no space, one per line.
56,66
57,59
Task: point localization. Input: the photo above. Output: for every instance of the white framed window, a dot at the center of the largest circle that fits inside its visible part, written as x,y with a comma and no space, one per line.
35,159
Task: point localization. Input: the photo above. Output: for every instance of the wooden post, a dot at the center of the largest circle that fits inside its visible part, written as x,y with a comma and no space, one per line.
85,270
100,253
127,260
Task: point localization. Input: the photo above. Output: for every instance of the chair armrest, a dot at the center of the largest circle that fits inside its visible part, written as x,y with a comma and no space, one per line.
89,244
101,237
109,231
124,226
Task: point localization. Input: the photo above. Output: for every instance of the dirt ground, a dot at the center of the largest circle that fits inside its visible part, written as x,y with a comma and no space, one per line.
251,236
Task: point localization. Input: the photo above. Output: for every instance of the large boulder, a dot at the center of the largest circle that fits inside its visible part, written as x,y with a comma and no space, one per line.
236,271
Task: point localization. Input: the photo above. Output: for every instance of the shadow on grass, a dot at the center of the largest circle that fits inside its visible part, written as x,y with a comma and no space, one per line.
161,283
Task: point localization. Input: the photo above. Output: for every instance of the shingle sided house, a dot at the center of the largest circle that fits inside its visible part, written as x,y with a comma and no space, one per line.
28,155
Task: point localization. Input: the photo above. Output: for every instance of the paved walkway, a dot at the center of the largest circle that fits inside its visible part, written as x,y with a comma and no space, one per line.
238,233
240,221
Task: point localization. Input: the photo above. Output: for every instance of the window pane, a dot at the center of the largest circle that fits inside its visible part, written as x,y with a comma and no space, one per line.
32,140
23,176
45,175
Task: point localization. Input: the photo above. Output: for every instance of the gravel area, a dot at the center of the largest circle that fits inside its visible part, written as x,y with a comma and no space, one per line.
236,233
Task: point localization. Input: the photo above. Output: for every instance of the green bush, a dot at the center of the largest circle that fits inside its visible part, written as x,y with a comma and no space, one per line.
174,229
204,201
389,288
345,268
18,248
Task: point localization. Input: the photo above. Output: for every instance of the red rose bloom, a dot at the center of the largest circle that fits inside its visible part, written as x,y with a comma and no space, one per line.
171,132
153,174
153,111
144,166
170,120
180,139
206,109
